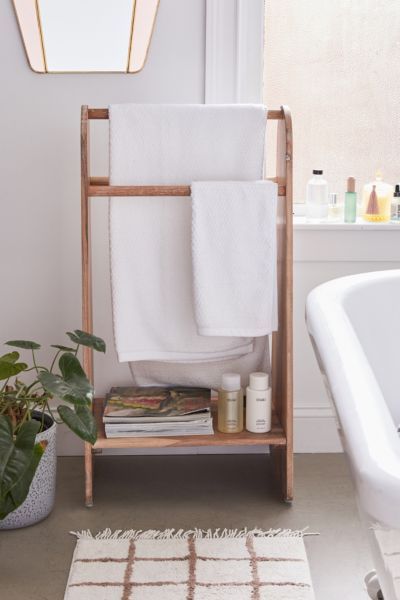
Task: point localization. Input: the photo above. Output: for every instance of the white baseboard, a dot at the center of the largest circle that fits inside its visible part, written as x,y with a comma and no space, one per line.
314,431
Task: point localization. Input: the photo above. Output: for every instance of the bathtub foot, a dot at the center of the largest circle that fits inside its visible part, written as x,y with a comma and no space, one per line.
373,587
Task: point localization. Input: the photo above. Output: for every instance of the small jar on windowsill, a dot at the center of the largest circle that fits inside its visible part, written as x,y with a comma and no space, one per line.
335,208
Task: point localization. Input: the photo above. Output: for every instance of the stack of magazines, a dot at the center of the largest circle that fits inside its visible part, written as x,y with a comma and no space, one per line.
157,411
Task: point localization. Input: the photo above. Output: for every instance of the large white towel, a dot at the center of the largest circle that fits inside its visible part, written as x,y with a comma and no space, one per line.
152,284
234,257
150,240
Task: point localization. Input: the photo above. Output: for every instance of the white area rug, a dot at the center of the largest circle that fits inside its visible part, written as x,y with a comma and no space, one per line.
191,565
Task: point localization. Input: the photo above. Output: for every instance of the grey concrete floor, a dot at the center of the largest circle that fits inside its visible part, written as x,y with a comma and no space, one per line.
156,492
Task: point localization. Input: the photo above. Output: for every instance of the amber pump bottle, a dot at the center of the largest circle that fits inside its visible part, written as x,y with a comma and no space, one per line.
230,404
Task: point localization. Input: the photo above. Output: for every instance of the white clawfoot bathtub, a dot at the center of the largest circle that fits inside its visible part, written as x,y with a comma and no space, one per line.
354,324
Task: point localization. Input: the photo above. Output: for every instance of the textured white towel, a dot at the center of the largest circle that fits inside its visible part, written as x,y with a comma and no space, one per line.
203,374
150,239
234,257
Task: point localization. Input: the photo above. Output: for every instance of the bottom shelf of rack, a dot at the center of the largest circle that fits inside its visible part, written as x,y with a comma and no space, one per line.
275,437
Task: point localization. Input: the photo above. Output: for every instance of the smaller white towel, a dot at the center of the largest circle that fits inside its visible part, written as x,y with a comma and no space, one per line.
234,257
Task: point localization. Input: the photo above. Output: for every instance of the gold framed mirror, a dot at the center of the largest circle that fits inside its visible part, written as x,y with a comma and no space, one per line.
86,36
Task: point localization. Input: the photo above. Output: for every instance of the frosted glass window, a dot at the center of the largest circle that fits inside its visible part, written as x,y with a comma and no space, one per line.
335,64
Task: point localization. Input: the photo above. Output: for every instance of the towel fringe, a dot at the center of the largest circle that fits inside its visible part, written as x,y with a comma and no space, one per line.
181,534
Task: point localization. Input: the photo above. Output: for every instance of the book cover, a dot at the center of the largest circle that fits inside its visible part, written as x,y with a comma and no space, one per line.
155,401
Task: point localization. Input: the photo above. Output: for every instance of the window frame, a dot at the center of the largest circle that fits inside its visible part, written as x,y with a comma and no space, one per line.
234,51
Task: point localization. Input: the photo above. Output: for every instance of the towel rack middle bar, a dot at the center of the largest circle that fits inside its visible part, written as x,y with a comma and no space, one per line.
99,186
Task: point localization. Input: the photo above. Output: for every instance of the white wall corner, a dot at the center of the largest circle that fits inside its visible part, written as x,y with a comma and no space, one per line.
234,51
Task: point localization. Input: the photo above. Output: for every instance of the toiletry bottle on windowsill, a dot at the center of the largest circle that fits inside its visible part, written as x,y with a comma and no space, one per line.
258,404
350,201
317,197
395,212
335,208
377,200
230,404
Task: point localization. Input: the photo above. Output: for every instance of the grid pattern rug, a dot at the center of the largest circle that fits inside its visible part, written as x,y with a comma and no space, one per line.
191,565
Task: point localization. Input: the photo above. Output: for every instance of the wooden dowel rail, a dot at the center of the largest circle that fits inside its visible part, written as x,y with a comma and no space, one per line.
102,114
99,187
138,190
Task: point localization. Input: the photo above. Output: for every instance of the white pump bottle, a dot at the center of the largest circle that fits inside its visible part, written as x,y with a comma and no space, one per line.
258,404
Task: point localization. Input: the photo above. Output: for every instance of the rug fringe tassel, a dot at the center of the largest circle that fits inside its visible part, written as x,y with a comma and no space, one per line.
181,534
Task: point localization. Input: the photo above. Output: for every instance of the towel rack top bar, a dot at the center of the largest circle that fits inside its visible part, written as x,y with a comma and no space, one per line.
102,113
100,186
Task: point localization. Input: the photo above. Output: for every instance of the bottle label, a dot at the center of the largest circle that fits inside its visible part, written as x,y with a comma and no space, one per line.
395,211
232,413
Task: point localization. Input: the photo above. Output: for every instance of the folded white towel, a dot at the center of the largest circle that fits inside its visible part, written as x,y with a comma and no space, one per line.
203,374
150,241
234,257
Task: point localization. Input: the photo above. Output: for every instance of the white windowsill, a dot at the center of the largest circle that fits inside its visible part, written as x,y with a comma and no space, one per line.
302,223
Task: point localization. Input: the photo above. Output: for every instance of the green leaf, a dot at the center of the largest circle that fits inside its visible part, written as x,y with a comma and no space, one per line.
6,505
25,344
87,339
57,386
75,376
9,369
70,367
6,443
11,357
15,454
63,348
80,421
21,489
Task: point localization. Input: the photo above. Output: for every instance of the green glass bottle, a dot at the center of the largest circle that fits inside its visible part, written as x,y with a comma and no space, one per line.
350,201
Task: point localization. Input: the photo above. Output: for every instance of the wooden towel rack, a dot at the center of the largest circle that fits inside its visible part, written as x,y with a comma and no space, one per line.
280,438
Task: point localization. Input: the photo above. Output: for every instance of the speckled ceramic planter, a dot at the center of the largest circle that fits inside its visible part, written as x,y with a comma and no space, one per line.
40,500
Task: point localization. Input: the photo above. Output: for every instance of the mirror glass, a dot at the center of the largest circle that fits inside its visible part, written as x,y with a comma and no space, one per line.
83,36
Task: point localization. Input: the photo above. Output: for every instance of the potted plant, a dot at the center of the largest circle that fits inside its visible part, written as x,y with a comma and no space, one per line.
28,424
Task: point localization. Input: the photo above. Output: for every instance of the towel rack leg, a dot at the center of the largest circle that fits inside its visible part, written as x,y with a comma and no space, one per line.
87,314
282,340
283,472
88,475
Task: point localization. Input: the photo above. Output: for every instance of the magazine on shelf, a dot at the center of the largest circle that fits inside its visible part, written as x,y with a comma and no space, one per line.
202,426
158,412
134,404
